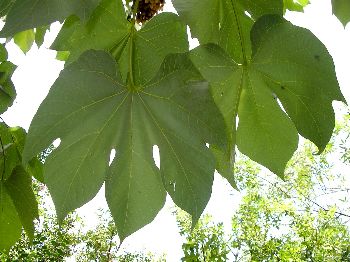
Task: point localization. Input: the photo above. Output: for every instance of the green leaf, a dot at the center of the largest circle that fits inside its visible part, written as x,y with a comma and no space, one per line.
263,126
24,40
174,111
5,6
299,70
28,14
13,140
264,132
3,53
162,35
19,188
225,164
9,159
18,205
18,135
223,74
288,63
225,22
62,55
293,5
341,9
34,167
228,24
10,225
4,148
7,89
40,35
103,31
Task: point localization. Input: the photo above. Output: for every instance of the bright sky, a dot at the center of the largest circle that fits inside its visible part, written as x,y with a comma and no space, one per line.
38,70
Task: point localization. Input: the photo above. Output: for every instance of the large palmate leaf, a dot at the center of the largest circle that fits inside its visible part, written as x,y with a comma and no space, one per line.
228,24
341,8
288,63
225,22
139,54
28,14
5,6
92,111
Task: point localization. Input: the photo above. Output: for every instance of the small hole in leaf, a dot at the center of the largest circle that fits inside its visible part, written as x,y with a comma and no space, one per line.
112,156
222,94
57,142
156,157
248,14
193,41
173,185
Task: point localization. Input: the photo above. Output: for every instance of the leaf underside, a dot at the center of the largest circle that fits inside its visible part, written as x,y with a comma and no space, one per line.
110,116
263,80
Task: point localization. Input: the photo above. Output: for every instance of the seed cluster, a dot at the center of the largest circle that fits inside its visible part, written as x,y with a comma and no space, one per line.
147,9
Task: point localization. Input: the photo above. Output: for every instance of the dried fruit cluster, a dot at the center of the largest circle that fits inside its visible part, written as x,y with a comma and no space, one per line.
147,9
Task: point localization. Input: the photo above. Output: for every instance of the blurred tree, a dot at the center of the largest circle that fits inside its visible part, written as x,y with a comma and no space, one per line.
52,242
102,244
303,218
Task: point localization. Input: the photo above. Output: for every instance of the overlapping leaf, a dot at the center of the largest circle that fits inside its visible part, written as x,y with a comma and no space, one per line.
293,5
24,40
28,14
225,22
111,31
10,225
18,206
341,8
107,29
289,64
7,89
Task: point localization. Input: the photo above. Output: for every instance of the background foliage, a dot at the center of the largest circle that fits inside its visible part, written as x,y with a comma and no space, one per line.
304,218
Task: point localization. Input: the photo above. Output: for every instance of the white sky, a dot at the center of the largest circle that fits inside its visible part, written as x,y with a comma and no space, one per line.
38,70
